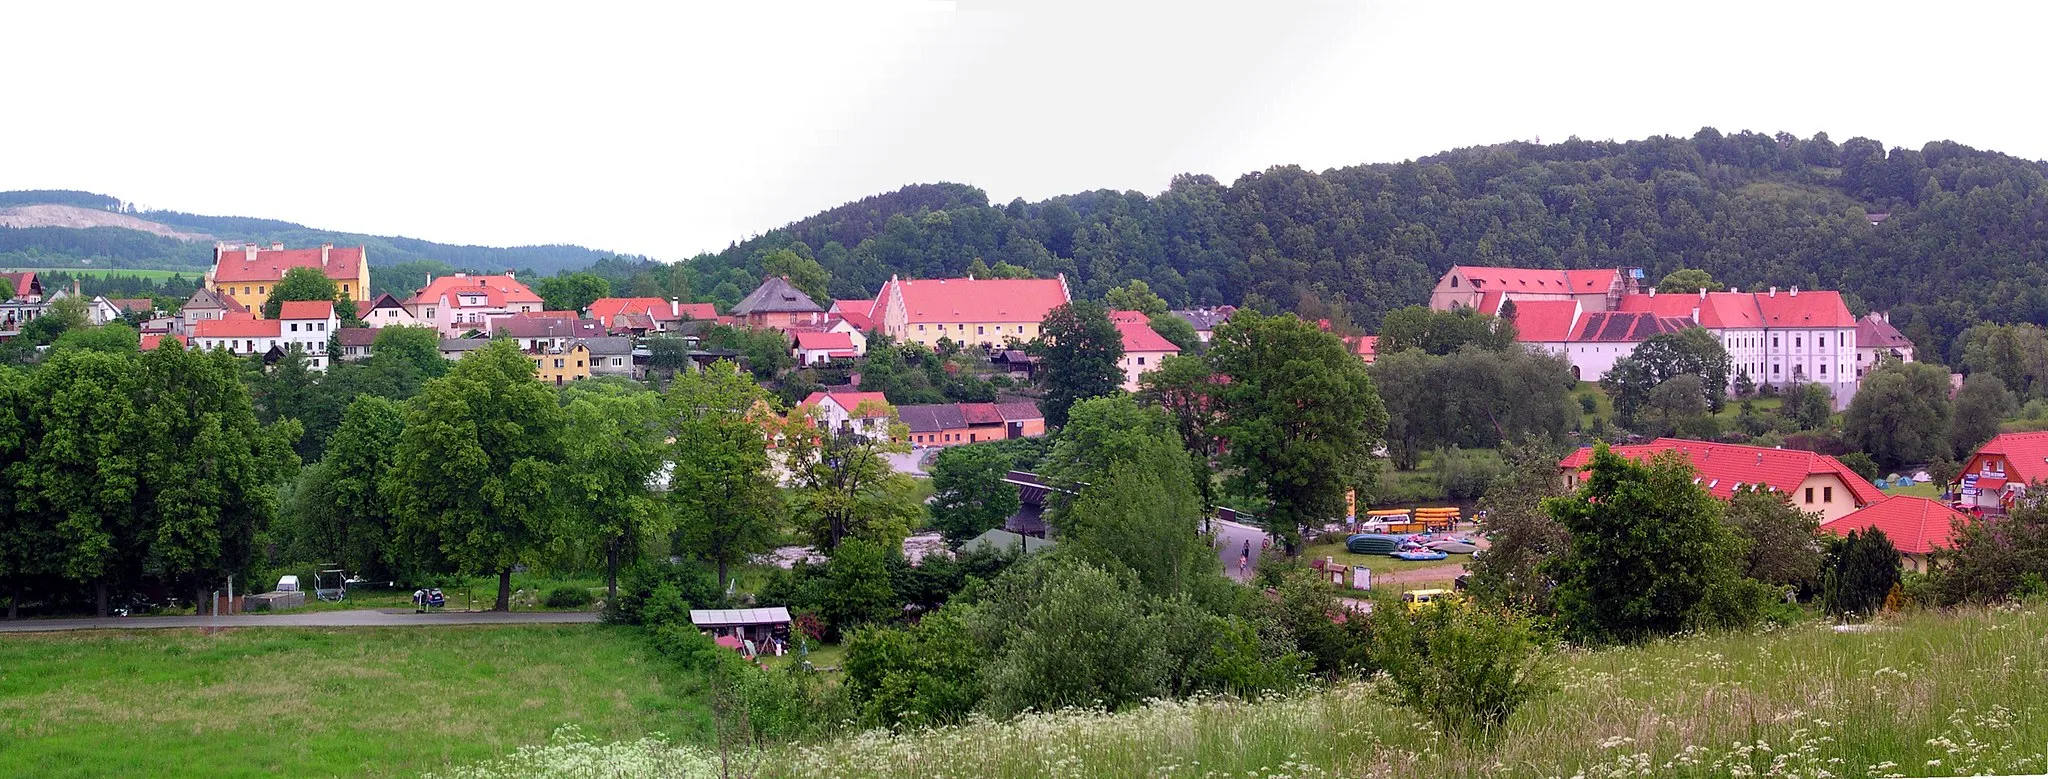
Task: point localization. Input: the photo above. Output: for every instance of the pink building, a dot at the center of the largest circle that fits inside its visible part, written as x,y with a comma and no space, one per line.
458,304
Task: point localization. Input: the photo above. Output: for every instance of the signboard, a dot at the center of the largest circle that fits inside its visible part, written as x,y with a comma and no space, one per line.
1361,577
1969,492
1970,482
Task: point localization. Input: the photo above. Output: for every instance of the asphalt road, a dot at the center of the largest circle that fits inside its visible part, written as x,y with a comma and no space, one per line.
311,619
1232,548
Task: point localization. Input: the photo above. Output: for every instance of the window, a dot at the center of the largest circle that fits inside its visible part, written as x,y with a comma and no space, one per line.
1822,343
1141,361
920,328
1774,368
979,330
1774,342
1827,494
295,327
1823,369
323,327
259,291
558,362
1809,494
344,289
579,363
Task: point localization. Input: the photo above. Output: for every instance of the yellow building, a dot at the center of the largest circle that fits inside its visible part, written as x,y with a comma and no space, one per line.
1814,483
561,366
985,312
248,273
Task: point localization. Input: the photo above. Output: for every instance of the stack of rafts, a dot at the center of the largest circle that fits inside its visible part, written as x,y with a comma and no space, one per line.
1438,520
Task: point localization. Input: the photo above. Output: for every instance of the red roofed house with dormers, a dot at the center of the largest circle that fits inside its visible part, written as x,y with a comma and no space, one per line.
1484,287
2001,470
23,302
1916,526
248,273
1877,340
985,312
1815,483
659,313
458,304
305,325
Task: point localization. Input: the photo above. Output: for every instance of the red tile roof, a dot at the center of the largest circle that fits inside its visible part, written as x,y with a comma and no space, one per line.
1140,337
1624,327
23,283
846,400
1813,308
2025,455
1720,467
1489,302
1718,310
1019,411
843,306
859,319
499,291
306,309
1914,525
656,309
233,265
1121,317
153,340
816,339
1545,321
977,300
1585,281
364,307
981,413
1365,345
234,327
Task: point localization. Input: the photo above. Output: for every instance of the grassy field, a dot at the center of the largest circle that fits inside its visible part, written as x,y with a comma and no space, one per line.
1938,694
1380,564
317,702
1918,490
154,275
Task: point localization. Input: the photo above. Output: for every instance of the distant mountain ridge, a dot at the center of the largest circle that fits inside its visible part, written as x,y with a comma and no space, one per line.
70,228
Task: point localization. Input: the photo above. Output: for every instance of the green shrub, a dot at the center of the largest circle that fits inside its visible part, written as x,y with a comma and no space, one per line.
567,598
1467,669
690,586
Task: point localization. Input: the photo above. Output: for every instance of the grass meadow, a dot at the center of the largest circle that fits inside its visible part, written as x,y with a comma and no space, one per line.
322,702
1933,694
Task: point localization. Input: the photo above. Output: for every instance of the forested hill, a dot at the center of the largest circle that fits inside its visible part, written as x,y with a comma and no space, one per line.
65,247
1966,239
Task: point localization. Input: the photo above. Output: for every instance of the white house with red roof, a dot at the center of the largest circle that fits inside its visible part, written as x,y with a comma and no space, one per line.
985,312
384,311
659,312
1144,348
2002,469
1916,526
305,325
818,347
1484,287
1877,340
1814,482
458,304
843,412
249,273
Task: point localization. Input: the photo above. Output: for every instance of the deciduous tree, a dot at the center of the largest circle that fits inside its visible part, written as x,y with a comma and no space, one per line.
720,489
1081,349
1901,414
613,444
969,495
571,291
302,284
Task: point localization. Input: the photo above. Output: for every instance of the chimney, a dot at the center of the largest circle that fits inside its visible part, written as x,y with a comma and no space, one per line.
1695,315
249,252
325,250
1774,292
276,247
1653,292
1795,290
461,275
511,275
675,307
1734,290
1703,293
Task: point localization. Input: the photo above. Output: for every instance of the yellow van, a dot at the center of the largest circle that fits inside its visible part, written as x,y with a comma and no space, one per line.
1416,599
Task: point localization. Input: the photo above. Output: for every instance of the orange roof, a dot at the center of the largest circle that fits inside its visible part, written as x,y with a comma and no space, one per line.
235,328
977,300
846,400
1914,525
1365,345
1140,337
1121,317
818,339
1624,327
2025,455
1545,321
153,340
859,319
499,291
1805,309
1717,310
658,309
306,309
981,413
23,282
234,265
1512,280
364,307
1722,467
843,306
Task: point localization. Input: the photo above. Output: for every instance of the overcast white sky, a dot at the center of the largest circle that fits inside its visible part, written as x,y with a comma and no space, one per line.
668,129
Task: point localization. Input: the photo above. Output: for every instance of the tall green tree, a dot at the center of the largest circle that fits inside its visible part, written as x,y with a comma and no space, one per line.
842,485
1301,416
302,284
1185,388
28,543
1648,549
720,488
1980,406
1660,358
571,291
1081,350
1777,539
351,494
476,464
1523,535
803,273
613,443
1688,280
969,495
1128,500
1137,296
1901,414
1861,570
84,465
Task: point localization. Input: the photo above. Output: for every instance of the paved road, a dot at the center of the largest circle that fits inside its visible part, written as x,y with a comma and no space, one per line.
316,619
1232,548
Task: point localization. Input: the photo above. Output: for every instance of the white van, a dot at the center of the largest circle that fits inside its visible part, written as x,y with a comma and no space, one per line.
288,583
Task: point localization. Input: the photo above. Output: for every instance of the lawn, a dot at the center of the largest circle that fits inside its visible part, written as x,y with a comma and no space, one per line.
153,275
1380,564
1918,490
322,702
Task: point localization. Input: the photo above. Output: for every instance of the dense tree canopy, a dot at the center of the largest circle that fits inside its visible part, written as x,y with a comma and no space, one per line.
1081,350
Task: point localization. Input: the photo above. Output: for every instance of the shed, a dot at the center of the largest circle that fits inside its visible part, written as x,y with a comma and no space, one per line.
758,625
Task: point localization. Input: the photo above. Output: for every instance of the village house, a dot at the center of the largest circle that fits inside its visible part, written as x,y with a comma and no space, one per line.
1877,341
247,273
304,325
456,348
953,424
459,304
1814,482
543,333
207,304
1144,348
355,343
24,301
561,365
1364,347
854,312
384,311
647,314
1205,320
819,347
612,355
1916,526
2001,471
865,413
984,312
780,305
151,341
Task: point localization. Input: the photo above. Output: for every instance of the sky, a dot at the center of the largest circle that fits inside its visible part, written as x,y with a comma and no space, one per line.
671,129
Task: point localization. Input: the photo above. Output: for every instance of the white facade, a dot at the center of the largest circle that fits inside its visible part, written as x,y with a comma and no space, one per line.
309,336
1745,354
1823,356
1137,364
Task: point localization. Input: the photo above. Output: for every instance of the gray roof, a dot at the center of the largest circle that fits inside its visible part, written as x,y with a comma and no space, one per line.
1205,319
932,418
776,295
463,344
543,327
734,617
609,345
356,336
1004,539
